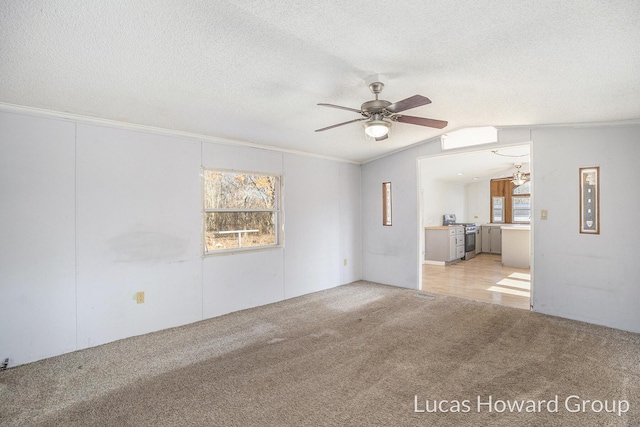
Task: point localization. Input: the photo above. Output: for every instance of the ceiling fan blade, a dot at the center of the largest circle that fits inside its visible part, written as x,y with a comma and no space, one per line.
383,137
340,107
406,104
421,121
340,124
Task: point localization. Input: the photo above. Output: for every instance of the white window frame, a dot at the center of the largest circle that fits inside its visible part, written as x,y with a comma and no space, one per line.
513,209
277,210
519,193
502,209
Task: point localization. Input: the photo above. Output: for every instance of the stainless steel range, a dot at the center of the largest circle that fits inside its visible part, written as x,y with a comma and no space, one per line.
470,231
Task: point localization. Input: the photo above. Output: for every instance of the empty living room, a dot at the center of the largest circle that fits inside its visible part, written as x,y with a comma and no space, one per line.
214,214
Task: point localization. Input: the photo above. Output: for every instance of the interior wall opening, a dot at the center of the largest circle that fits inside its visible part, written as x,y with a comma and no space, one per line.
470,197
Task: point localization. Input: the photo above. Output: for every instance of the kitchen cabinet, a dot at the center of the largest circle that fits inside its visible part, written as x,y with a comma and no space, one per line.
516,245
444,245
491,239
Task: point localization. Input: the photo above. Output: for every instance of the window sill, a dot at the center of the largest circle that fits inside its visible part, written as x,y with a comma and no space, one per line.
238,251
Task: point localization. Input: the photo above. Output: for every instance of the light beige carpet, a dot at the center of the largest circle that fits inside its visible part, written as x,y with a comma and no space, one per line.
357,355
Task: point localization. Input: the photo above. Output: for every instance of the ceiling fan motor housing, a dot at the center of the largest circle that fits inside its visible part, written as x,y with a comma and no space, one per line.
376,106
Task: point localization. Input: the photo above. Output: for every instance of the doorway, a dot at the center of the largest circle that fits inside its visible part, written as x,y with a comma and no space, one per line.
459,183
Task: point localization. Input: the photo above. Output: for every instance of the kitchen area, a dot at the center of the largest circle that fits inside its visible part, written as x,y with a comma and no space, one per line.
476,234
454,242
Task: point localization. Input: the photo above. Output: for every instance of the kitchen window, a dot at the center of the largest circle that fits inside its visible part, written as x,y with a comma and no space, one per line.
509,203
521,203
521,209
497,209
241,211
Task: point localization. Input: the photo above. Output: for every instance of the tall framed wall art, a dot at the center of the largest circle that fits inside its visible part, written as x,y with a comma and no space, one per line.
590,200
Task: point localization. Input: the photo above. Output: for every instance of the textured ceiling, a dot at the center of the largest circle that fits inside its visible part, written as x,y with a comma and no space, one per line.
253,70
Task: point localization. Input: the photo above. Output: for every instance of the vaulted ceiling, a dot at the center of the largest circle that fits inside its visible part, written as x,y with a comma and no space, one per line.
254,71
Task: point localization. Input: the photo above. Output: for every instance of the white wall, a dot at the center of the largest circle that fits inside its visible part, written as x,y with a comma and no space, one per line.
439,198
478,195
37,237
92,214
390,254
350,223
313,255
584,277
137,229
594,278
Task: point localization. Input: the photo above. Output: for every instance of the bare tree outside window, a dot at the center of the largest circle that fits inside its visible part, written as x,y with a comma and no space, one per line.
241,210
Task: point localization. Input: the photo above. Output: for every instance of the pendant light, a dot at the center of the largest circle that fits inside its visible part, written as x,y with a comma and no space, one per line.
519,177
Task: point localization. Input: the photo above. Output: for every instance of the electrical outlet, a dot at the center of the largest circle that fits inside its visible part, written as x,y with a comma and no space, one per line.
345,262
140,297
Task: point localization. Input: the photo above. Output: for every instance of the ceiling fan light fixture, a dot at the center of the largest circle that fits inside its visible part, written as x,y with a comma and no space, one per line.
376,128
519,178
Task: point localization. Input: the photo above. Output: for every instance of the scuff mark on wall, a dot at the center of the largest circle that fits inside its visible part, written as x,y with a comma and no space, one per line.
147,246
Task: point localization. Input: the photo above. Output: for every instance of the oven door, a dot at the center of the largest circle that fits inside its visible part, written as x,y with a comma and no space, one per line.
470,242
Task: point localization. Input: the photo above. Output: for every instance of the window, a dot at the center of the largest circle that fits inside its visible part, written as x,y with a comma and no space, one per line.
521,209
497,209
521,203
241,210
509,203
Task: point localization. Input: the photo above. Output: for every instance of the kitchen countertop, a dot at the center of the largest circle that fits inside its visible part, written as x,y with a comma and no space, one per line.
505,226
516,227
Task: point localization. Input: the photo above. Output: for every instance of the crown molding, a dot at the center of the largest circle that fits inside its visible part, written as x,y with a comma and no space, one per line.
77,118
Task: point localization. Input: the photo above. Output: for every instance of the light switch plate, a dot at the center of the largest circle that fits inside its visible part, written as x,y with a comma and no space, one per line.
544,214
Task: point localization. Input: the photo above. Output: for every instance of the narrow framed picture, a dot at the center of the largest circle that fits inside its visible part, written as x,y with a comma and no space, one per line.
386,203
590,200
